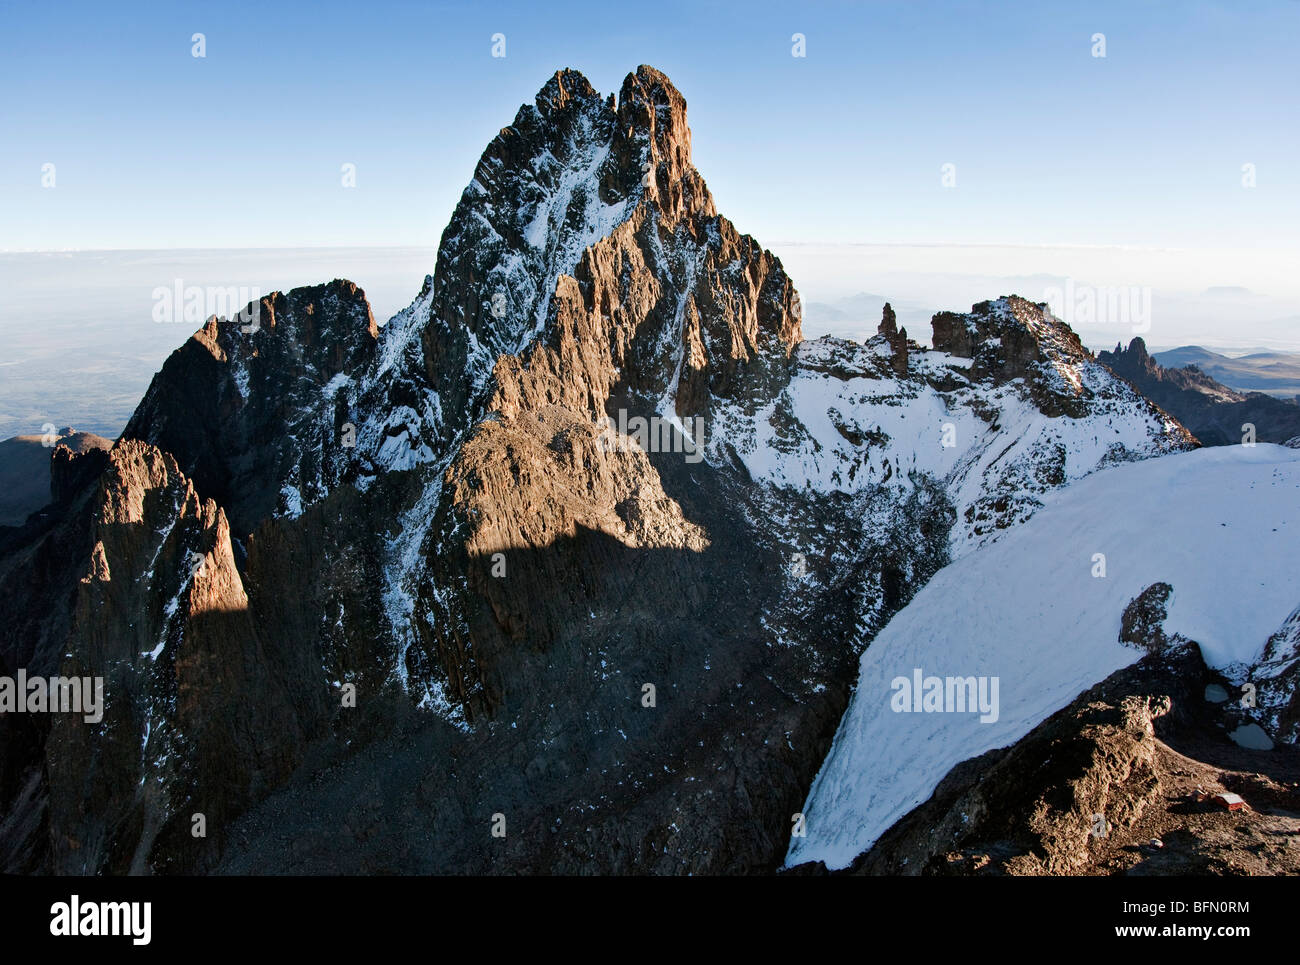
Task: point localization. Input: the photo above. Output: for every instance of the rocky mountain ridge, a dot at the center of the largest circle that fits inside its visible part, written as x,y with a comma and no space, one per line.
400,580
1214,413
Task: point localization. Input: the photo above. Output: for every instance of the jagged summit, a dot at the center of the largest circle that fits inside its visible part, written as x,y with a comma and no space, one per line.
1137,365
568,170
888,321
574,175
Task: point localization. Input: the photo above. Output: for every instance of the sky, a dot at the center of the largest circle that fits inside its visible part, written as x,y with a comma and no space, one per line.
156,148
227,169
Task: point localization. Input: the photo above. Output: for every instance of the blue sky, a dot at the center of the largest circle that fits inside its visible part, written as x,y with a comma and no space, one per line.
154,148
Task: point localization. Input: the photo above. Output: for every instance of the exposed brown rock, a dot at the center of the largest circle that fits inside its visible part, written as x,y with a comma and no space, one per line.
162,615
896,340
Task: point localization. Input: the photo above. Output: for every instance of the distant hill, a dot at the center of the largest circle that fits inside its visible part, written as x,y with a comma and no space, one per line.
25,471
1274,373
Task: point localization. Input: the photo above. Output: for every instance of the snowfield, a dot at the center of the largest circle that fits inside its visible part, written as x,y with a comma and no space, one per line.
1222,526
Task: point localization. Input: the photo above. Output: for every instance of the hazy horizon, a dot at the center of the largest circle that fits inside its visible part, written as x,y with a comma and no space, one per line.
1028,150
79,344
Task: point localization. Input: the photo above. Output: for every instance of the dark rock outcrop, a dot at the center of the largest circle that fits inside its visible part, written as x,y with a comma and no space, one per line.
28,471
1214,413
1142,623
71,469
1013,338
897,340
254,408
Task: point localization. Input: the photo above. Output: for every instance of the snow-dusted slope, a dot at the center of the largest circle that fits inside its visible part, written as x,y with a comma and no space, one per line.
1221,526
996,430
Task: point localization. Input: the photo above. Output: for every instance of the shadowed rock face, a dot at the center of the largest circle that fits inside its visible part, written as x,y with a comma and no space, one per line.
1212,412
31,471
438,586
162,615
255,417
